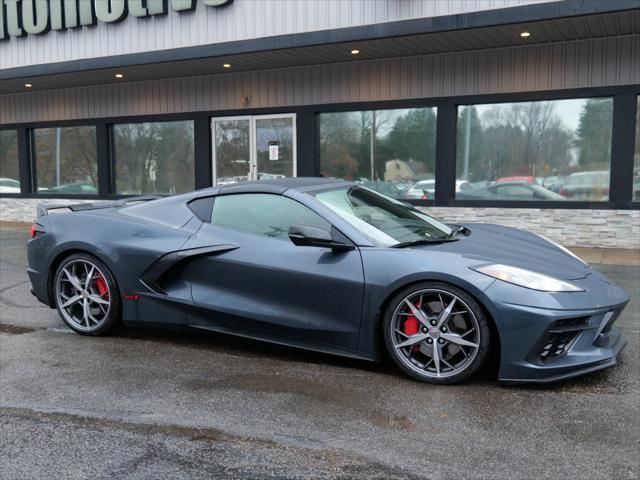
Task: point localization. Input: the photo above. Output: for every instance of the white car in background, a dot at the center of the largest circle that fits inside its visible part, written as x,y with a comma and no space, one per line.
9,185
426,189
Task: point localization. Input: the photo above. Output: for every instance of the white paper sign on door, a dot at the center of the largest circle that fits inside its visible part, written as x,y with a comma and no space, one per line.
274,150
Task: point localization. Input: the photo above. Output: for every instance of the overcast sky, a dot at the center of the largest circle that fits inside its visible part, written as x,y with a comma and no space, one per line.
567,110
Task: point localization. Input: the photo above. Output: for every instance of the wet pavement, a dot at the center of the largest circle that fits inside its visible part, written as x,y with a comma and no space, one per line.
161,404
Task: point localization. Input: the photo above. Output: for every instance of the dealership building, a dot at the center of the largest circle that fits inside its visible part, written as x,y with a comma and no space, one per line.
518,112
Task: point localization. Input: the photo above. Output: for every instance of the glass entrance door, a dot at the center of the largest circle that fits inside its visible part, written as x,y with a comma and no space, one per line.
232,145
256,147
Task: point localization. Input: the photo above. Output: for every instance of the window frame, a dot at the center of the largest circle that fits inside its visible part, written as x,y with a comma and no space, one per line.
112,158
19,179
432,106
308,145
537,203
635,204
33,162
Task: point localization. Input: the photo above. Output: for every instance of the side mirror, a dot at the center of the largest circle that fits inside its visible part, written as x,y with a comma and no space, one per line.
307,236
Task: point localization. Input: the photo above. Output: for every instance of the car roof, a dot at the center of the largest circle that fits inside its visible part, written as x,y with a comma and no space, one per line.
278,185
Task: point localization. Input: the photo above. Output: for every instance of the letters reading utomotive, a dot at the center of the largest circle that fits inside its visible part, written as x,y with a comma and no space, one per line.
36,17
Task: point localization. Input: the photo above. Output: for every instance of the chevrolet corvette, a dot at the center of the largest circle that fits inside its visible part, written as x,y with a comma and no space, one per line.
331,266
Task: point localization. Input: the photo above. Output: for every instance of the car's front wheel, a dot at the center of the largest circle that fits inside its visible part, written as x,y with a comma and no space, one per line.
86,295
436,333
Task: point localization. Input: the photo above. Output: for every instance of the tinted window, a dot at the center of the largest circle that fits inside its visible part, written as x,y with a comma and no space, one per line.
66,160
154,157
388,151
9,174
563,146
263,214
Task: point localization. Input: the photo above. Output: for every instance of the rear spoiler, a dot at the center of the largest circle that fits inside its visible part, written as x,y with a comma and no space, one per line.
43,209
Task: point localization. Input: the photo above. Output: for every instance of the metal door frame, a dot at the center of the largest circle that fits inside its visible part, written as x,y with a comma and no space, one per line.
253,147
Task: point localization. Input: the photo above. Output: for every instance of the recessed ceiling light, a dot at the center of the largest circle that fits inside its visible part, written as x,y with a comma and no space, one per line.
355,51
226,65
525,34
28,85
119,75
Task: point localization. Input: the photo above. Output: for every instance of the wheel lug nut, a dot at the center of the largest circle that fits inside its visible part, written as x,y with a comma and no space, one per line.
441,341
433,322
444,329
429,341
425,329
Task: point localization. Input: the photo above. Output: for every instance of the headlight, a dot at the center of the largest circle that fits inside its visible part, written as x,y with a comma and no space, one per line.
564,249
526,278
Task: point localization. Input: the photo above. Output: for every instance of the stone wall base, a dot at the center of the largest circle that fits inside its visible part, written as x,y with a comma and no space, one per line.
572,228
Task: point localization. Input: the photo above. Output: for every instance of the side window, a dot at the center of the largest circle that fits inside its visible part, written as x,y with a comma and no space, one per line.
263,214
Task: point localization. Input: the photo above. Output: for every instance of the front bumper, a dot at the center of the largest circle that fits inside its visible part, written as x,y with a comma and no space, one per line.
547,337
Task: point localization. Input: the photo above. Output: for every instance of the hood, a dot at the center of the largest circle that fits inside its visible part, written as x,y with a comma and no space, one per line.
508,246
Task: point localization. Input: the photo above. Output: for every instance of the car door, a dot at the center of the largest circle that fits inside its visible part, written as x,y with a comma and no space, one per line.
264,285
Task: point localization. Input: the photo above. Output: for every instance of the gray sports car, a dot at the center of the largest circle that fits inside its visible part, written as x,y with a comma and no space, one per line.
331,266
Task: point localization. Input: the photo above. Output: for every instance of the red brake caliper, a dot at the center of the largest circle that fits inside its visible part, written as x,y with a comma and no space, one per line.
411,327
102,287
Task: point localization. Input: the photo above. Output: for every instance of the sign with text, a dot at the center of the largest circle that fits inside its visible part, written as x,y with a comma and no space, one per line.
36,17
274,150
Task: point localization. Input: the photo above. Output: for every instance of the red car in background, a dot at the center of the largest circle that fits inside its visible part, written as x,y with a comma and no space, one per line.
519,179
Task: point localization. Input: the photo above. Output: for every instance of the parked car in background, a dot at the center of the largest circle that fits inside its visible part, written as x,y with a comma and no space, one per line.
509,191
386,188
74,189
9,185
518,179
587,186
423,190
426,189
553,183
269,176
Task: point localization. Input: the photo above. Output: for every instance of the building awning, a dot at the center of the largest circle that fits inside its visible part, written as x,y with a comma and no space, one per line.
502,28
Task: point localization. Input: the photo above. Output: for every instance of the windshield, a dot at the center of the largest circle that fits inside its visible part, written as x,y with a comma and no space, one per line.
383,220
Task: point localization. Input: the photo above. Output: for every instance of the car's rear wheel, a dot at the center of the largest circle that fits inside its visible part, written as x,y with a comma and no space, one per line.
86,295
436,333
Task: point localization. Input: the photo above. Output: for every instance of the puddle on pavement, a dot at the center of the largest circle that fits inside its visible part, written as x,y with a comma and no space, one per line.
15,329
274,383
393,422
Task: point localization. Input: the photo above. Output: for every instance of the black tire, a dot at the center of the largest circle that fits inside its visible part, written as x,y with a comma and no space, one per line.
108,318
403,356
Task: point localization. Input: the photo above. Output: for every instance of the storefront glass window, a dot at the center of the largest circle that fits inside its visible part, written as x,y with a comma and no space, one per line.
65,160
9,173
390,151
545,151
636,157
154,157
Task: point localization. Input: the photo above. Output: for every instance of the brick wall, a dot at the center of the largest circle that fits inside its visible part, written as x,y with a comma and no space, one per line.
573,228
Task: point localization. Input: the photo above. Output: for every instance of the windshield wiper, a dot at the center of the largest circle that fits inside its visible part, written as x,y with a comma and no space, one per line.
424,241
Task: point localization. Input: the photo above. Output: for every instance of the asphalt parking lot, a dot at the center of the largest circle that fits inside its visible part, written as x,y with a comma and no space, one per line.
158,404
